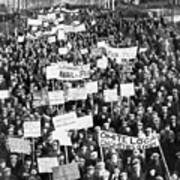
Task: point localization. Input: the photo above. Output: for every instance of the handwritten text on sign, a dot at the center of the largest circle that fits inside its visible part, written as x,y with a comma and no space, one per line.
124,142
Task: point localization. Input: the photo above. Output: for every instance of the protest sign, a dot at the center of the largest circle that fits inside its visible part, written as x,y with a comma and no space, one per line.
56,97
96,52
102,63
34,22
4,94
61,35
76,94
45,164
122,53
127,90
84,51
63,51
84,122
79,28
68,72
66,172
65,121
34,28
52,39
142,50
91,87
124,142
101,44
51,16
74,73
20,39
42,17
32,129
110,95
52,72
18,145
62,136
69,10
40,98
45,24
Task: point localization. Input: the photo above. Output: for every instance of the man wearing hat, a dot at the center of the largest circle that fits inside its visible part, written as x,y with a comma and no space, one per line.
89,173
14,165
100,172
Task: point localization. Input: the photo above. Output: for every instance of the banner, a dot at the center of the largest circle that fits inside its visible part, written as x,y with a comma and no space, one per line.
17,145
91,87
122,53
69,10
65,121
62,136
66,172
56,97
72,28
109,139
45,164
32,129
127,90
110,95
34,22
79,28
69,73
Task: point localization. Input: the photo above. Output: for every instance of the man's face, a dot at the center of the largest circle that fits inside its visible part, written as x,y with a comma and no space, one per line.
14,160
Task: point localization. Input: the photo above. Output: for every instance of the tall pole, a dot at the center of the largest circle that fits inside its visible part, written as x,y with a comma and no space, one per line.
172,12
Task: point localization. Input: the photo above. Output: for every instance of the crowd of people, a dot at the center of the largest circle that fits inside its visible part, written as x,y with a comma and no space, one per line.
153,110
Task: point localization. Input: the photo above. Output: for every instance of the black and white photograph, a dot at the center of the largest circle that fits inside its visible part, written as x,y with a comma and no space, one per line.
89,89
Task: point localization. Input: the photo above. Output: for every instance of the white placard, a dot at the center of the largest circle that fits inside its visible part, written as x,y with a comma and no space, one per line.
61,35
101,44
52,72
127,90
91,87
84,51
110,95
46,164
76,94
62,136
65,121
4,94
34,22
84,122
32,129
19,145
63,51
20,39
52,39
56,97
102,63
